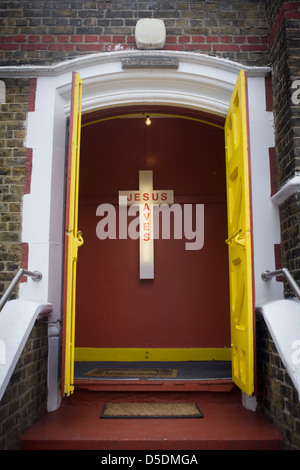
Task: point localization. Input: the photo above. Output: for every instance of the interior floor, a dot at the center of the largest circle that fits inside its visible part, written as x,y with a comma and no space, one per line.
189,370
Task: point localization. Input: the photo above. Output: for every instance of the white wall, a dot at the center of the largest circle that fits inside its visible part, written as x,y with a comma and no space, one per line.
266,227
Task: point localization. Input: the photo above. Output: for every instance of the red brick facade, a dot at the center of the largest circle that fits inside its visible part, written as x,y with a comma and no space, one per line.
238,31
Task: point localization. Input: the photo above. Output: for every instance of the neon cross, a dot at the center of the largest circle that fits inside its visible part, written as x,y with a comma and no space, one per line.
145,197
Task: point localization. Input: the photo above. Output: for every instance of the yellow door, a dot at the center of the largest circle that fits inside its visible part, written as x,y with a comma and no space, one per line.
240,237
73,238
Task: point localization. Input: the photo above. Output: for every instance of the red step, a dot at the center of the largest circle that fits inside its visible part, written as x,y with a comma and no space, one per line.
226,425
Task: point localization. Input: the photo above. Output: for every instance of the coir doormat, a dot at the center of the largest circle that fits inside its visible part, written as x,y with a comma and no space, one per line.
132,373
150,410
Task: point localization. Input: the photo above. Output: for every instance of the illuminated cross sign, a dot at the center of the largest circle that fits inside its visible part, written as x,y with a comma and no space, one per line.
145,197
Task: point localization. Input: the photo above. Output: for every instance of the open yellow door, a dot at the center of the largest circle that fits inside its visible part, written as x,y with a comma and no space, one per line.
73,238
240,237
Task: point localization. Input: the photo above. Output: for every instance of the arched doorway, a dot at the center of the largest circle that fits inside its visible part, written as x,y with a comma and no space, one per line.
201,83
183,314
212,98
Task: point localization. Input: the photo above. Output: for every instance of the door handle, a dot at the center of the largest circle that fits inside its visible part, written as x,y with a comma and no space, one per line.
237,237
229,240
77,242
79,238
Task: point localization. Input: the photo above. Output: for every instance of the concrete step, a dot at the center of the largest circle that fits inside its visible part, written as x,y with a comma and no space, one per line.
226,425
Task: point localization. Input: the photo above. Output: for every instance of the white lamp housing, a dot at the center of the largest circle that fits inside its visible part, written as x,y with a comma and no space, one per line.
150,34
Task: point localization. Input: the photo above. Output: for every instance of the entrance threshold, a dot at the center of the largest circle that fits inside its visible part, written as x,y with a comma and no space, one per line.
154,376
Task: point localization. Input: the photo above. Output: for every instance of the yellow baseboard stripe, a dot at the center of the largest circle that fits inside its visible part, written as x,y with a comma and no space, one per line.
152,354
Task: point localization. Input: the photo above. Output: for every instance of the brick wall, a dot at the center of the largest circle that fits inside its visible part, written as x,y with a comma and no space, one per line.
25,398
277,396
290,237
284,42
42,32
14,173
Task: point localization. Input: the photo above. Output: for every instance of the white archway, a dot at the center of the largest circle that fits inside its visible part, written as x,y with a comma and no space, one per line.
199,82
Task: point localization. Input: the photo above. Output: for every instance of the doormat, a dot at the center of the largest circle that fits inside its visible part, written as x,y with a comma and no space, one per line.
150,410
132,373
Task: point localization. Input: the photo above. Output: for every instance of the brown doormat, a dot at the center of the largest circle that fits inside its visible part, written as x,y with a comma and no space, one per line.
150,410
132,373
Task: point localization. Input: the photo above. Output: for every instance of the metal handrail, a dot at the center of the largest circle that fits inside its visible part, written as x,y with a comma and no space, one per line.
268,275
35,275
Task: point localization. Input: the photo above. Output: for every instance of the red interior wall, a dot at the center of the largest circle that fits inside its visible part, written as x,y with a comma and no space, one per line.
187,303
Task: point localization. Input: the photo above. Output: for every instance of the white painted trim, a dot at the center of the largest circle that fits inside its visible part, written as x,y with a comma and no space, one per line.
291,187
266,226
195,85
16,322
283,322
102,58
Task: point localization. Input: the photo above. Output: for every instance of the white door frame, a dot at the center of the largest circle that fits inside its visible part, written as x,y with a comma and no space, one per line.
201,83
